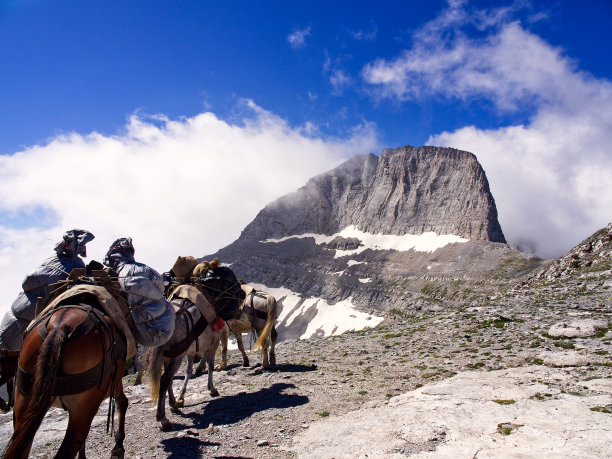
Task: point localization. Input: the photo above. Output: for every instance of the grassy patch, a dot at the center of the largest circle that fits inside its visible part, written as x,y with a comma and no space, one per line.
565,344
324,414
497,323
430,374
602,409
505,402
476,365
392,335
601,332
506,428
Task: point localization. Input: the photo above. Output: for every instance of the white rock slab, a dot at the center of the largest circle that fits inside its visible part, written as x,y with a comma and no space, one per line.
564,359
459,418
579,328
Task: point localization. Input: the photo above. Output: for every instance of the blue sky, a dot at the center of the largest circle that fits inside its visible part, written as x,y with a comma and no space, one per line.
86,66
109,111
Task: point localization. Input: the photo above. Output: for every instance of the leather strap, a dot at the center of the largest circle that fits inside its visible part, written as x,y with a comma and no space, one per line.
195,330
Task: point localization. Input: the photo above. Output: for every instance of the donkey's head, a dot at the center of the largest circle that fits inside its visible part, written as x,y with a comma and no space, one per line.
223,287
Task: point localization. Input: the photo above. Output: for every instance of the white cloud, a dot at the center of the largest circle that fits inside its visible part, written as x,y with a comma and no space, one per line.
177,187
339,80
297,39
361,35
550,176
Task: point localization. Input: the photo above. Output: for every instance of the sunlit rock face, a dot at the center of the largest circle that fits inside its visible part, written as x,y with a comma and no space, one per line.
404,191
407,230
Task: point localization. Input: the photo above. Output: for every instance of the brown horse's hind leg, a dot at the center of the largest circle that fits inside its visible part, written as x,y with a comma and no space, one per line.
81,410
19,411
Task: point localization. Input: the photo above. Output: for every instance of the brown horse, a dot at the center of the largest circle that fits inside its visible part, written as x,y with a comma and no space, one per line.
72,357
219,292
258,315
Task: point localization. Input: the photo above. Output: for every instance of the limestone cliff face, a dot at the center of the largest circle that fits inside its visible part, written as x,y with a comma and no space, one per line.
406,190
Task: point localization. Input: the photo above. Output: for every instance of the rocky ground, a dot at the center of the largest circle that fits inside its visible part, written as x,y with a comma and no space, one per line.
318,385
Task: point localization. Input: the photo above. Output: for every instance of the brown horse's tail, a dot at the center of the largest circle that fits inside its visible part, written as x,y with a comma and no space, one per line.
262,341
47,366
155,370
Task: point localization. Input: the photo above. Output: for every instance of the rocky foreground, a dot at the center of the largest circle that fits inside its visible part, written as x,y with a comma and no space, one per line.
522,378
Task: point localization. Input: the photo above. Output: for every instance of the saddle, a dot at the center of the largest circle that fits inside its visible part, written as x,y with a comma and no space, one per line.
77,383
250,309
100,290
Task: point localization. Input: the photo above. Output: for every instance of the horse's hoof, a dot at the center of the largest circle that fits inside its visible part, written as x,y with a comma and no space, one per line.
138,382
246,363
175,408
165,425
258,371
214,393
117,453
199,371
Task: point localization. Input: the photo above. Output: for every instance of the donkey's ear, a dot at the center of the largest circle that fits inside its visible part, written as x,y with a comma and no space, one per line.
215,263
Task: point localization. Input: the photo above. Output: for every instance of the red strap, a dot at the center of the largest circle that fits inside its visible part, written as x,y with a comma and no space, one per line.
217,326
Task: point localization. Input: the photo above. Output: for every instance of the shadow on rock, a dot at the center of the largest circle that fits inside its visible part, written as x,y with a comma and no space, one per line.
292,368
235,408
185,447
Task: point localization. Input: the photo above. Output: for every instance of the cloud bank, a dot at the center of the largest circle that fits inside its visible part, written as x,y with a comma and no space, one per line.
177,187
551,175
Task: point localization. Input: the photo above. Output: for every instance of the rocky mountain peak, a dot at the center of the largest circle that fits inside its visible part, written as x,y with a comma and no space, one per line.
592,256
405,190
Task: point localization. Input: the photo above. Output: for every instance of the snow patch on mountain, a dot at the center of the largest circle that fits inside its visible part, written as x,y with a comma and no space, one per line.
426,242
324,319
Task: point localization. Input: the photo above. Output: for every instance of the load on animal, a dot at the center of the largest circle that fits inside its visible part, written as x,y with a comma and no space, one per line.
258,315
72,357
36,286
203,296
74,351
71,330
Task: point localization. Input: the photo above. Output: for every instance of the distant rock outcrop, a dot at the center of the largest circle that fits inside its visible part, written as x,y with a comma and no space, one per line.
407,190
593,255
